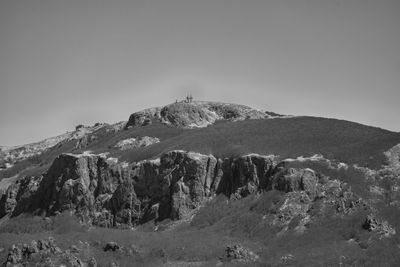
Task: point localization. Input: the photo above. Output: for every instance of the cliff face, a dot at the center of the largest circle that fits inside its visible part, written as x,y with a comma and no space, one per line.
111,195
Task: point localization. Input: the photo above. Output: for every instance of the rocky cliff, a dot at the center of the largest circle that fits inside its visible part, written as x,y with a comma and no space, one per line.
110,194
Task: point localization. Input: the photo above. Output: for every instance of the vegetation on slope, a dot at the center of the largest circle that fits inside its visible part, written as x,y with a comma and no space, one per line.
344,141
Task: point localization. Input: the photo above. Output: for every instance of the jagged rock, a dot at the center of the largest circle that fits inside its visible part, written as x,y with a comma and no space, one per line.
74,181
245,175
109,194
111,246
373,224
9,200
295,205
14,256
125,205
241,254
19,255
31,249
178,181
103,218
292,179
18,196
348,202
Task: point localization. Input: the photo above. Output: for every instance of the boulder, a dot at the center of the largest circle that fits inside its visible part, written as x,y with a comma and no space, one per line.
111,246
14,256
374,224
240,254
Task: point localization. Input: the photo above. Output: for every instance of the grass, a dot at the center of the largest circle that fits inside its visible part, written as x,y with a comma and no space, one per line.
222,222
288,137
345,141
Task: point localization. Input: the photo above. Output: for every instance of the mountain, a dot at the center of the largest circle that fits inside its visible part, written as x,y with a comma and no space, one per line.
205,184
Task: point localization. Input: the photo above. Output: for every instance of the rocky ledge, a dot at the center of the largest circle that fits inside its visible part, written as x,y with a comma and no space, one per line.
109,194
105,193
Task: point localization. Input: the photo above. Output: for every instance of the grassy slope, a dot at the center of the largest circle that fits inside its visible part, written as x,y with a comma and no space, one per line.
288,137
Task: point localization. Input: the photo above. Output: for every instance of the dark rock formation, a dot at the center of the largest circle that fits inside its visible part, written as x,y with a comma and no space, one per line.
104,193
374,224
291,179
19,197
238,253
76,181
245,175
176,183
109,195
111,246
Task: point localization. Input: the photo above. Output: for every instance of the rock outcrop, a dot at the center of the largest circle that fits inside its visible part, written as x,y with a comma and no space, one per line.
112,195
108,194
45,252
132,143
382,228
238,253
247,174
20,196
195,114
292,179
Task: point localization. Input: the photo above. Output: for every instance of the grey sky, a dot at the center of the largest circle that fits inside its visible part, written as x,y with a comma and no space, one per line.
63,63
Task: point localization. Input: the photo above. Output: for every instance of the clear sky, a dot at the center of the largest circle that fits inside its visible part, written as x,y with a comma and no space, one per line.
63,63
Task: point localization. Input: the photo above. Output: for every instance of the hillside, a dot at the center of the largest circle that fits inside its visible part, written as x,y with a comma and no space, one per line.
205,184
